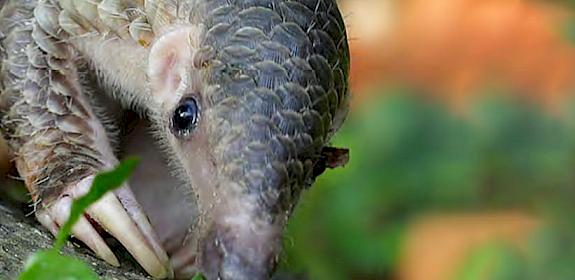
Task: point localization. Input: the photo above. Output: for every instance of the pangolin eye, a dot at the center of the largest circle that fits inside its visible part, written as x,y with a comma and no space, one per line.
185,118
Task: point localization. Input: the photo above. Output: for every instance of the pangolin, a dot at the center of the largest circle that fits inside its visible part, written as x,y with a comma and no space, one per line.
242,97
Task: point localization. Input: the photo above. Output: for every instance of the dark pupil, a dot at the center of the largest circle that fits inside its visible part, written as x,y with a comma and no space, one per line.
186,117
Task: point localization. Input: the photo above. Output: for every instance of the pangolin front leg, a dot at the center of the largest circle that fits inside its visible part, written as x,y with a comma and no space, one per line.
59,142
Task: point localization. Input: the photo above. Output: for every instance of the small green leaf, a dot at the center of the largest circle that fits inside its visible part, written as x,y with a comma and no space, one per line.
103,183
199,276
51,265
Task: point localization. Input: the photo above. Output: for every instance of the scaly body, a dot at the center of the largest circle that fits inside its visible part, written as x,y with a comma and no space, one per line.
244,95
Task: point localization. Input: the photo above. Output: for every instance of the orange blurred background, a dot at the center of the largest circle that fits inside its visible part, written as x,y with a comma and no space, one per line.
455,48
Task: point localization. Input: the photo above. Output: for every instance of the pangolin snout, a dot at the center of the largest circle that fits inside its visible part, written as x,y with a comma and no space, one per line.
240,246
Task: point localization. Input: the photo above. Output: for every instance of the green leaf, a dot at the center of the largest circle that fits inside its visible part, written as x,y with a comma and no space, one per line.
198,276
103,183
51,265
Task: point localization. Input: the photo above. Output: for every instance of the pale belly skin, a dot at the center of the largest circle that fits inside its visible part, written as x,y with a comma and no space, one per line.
242,98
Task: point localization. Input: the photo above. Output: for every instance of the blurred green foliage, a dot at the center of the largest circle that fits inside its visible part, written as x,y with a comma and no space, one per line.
550,254
408,156
568,30
496,261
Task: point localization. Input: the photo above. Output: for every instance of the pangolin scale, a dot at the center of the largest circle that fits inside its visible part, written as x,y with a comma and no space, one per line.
269,85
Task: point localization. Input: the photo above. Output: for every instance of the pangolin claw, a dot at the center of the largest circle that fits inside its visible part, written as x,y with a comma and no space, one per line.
119,215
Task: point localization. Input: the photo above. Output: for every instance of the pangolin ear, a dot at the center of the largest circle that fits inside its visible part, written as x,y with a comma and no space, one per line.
169,60
331,158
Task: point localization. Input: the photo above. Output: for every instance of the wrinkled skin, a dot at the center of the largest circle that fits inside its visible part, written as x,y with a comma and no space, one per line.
268,81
